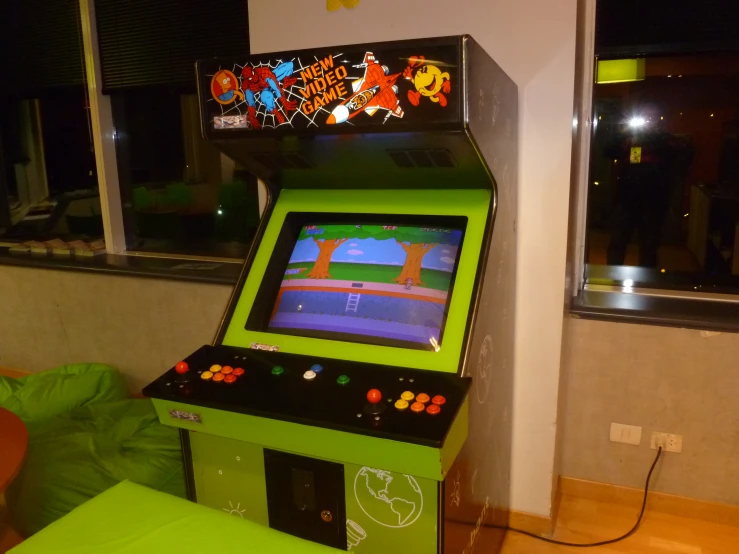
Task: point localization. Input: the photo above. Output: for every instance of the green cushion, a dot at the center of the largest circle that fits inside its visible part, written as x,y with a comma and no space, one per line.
131,519
75,456
48,394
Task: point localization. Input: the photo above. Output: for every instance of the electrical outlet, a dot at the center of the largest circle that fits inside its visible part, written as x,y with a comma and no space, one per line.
627,434
668,441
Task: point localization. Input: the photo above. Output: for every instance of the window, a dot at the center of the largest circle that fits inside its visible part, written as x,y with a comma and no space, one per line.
180,195
48,179
663,188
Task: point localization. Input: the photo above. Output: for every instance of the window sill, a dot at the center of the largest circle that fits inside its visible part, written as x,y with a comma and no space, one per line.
648,309
179,269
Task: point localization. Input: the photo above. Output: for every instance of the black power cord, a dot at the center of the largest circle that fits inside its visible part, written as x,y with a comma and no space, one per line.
611,541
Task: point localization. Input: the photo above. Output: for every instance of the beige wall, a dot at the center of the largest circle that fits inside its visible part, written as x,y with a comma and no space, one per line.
141,326
663,379
534,42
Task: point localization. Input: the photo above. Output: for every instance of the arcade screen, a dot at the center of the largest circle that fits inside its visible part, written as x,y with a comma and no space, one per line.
378,284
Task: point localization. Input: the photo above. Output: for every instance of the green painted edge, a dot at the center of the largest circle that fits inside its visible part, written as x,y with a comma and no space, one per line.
456,438
317,442
472,203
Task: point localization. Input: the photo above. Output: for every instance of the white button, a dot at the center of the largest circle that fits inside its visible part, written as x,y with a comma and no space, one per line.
309,375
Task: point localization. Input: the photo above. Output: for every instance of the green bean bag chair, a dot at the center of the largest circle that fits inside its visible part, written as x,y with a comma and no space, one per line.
85,436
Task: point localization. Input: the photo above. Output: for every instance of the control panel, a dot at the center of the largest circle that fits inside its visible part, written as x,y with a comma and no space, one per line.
408,405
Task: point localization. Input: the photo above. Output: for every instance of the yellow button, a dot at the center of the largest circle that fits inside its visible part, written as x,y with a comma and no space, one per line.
401,404
423,398
215,368
206,375
408,396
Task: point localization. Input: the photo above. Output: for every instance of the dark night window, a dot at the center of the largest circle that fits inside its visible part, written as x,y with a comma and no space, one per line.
48,178
180,195
663,191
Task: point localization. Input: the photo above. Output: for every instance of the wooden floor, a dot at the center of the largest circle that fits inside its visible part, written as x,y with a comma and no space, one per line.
585,520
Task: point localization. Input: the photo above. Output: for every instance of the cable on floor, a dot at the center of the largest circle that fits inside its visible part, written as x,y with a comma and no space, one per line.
610,541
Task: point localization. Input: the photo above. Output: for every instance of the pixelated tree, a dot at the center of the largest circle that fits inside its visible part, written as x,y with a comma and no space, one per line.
417,242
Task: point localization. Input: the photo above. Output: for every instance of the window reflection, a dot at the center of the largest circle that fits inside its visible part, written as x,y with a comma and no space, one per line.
664,174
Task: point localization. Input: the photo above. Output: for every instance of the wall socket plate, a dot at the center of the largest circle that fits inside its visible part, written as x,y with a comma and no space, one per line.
669,441
627,434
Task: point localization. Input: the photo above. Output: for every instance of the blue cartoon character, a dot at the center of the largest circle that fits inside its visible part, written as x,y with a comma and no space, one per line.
225,87
270,84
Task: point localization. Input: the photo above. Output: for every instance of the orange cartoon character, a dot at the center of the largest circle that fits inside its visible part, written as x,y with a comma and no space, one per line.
428,80
225,87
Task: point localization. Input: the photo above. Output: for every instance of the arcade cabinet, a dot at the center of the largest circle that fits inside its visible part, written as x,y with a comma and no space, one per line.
358,392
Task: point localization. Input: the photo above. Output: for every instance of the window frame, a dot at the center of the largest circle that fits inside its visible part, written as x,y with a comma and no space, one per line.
614,297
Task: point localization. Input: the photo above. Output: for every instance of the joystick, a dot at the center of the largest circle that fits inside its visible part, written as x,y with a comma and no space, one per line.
183,372
374,402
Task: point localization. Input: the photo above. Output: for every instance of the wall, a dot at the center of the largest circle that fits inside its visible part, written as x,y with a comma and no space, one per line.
534,42
141,326
663,379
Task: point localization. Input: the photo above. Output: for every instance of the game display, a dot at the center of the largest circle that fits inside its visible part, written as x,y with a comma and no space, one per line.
358,391
386,282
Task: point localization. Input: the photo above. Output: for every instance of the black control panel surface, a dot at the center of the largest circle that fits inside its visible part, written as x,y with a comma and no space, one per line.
408,405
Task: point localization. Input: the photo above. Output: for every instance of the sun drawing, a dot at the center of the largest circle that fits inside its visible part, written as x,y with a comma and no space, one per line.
237,511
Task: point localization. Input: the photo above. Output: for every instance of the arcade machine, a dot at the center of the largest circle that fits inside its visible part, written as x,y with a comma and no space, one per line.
358,391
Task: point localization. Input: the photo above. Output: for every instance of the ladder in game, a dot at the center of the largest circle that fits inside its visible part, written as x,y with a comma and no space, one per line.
352,303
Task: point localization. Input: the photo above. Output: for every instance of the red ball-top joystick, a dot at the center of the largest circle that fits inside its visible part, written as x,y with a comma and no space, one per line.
183,372
374,396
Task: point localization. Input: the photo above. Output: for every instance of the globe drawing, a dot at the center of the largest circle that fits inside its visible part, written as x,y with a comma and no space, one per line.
390,499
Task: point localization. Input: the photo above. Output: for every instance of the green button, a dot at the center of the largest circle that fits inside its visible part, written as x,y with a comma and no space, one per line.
342,380
278,370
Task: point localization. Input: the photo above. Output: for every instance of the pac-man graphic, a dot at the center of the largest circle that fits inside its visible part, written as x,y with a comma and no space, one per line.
428,80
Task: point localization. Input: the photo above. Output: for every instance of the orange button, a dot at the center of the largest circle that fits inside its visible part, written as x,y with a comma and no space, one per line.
438,400
238,371
230,378
219,377
423,398
417,407
206,375
433,409
215,368
226,369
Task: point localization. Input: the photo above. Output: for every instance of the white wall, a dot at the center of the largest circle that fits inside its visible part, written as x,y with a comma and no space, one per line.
534,42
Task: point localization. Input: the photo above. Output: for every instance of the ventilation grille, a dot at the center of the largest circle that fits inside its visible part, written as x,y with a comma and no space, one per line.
422,158
276,162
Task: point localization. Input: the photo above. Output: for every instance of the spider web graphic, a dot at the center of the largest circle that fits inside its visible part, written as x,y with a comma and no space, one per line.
292,92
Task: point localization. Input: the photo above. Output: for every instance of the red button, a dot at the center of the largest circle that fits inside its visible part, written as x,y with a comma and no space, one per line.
238,371
374,396
181,367
438,400
230,378
433,409
418,407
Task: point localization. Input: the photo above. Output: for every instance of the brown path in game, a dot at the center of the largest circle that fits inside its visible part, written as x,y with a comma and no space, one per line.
375,292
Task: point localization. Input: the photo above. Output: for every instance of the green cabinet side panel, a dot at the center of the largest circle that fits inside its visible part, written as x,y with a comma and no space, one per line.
318,442
472,203
229,476
390,512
